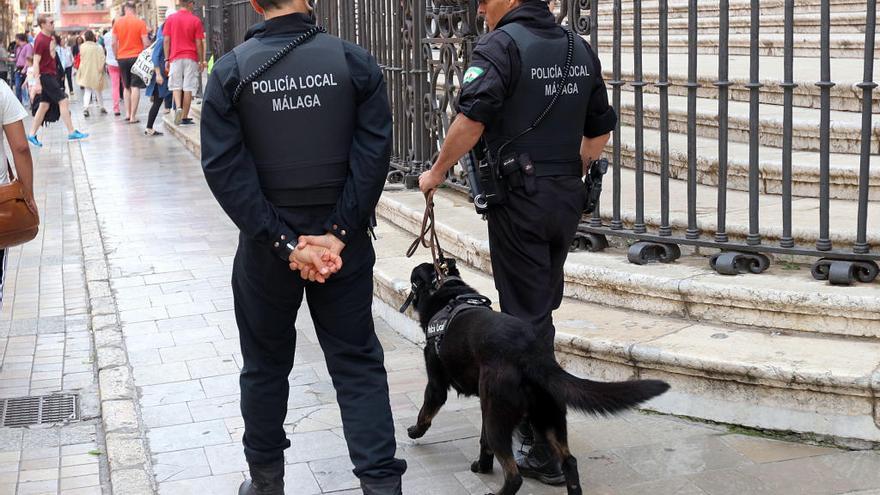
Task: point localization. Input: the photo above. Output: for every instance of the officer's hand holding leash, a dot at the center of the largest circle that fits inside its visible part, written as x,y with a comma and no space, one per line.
463,135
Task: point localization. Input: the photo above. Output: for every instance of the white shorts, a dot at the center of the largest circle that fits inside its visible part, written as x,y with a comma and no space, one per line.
184,74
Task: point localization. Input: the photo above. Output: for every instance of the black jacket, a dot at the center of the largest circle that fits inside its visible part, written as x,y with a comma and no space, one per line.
498,59
229,168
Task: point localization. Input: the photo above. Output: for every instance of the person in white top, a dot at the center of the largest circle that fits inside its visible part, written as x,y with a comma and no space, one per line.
65,56
113,69
12,116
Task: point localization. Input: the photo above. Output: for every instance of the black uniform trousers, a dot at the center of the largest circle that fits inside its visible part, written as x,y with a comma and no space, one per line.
267,297
529,239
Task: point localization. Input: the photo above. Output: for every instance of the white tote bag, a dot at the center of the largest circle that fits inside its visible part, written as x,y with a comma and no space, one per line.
143,66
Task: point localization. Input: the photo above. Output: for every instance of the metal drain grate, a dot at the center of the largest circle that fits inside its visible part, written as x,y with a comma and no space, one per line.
24,411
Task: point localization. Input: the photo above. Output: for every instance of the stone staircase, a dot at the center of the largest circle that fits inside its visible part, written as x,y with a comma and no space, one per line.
777,351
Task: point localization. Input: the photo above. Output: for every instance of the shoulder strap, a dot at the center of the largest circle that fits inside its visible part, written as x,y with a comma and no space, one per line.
272,60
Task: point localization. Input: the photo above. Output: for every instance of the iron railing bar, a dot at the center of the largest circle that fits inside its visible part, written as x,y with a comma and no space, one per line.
867,86
616,84
788,86
663,86
723,83
692,86
638,87
596,218
825,85
754,86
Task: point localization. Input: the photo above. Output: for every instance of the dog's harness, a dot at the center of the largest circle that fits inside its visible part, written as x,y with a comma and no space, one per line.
442,319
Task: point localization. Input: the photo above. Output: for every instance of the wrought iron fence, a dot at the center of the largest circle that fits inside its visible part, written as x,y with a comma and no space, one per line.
424,47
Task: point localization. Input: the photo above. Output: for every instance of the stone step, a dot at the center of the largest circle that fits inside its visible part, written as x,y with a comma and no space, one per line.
187,134
844,169
845,132
780,298
846,73
710,8
767,379
804,22
850,46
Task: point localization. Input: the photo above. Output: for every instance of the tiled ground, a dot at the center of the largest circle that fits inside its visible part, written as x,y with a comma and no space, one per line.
45,344
170,249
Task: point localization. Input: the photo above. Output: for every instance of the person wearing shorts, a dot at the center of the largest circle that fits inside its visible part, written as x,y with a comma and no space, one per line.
46,83
184,45
129,40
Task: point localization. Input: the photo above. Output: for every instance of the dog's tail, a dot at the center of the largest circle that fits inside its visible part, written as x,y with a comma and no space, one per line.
590,396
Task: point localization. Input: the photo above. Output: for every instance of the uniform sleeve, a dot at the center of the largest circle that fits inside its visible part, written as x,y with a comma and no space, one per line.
230,170
370,155
489,79
601,117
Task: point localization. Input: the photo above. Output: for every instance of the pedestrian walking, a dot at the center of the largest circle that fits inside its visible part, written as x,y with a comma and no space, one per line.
116,90
46,82
23,50
184,46
91,73
130,38
529,70
12,115
64,54
158,90
291,162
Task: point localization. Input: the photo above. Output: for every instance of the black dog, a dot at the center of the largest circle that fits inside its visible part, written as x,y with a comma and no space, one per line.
495,356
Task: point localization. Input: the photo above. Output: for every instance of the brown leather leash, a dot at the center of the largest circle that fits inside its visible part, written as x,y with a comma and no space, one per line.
429,239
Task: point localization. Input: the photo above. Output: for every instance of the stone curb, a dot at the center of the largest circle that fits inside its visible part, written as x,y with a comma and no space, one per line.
681,295
127,454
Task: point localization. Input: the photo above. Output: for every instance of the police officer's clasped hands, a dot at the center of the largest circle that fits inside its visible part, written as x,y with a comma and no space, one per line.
317,258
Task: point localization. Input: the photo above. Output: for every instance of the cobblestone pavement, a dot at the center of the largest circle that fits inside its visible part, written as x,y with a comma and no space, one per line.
169,250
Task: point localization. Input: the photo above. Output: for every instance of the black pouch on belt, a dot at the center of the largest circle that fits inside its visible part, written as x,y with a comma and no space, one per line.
527,169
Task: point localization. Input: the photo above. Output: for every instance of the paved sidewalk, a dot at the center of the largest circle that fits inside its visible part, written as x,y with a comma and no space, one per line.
45,344
169,250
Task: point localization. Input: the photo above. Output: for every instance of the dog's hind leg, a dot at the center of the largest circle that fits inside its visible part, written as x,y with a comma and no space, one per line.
557,437
487,456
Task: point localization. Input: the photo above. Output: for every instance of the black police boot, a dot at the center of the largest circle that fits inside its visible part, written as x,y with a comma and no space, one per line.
523,439
266,479
541,464
382,486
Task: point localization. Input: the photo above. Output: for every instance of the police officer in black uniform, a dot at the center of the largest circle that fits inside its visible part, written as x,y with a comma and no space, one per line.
513,77
296,144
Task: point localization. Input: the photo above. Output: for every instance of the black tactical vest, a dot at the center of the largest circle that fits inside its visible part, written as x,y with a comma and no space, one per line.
554,146
298,119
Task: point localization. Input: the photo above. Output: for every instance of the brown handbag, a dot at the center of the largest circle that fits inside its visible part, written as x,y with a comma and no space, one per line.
18,224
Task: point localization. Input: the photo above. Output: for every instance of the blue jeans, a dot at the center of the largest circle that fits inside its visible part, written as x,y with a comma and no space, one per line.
19,80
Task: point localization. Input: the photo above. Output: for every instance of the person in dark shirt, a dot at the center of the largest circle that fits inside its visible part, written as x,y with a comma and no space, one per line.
515,73
297,153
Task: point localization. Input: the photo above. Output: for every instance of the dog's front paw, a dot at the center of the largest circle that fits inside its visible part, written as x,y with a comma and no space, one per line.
478,467
416,431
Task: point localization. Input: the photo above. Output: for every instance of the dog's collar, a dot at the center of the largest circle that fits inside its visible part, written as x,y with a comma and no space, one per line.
437,285
441,320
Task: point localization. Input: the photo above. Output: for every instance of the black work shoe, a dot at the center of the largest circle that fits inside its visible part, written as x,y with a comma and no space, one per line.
382,486
266,479
542,465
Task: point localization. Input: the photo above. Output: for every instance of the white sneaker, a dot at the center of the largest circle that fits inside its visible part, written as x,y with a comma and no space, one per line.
178,116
